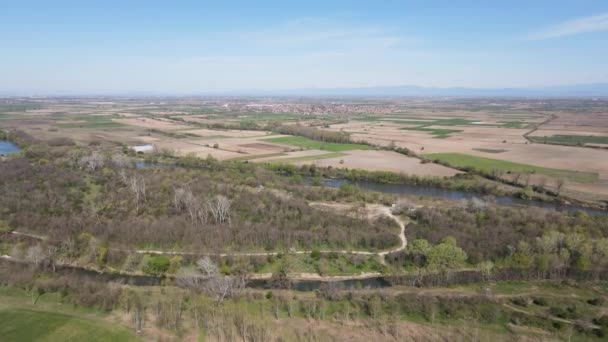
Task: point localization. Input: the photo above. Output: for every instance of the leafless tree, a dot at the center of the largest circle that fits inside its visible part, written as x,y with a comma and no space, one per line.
559,185
516,177
542,182
476,204
120,160
183,199
138,189
207,277
526,178
220,208
92,162
36,254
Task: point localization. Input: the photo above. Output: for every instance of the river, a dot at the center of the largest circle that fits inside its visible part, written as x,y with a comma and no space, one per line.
7,147
416,190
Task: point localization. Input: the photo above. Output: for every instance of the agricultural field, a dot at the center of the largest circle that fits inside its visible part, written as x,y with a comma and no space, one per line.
547,142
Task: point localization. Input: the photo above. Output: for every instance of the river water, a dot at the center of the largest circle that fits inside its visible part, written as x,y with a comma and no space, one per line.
7,147
416,190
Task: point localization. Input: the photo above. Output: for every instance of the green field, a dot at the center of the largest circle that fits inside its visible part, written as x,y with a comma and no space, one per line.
52,320
486,165
317,145
30,325
91,121
440,133
571,139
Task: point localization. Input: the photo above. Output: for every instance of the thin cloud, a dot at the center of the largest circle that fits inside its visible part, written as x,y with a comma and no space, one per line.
596,23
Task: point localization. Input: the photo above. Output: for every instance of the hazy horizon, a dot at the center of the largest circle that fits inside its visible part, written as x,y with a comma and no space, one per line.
191,48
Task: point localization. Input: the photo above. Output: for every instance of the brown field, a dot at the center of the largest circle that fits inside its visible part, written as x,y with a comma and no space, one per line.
268,147
385,161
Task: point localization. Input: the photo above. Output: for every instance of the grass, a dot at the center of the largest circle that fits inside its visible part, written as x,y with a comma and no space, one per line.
439,133
52,320
308,158
318,145
486,165
29,325
571,139
423,124
92,121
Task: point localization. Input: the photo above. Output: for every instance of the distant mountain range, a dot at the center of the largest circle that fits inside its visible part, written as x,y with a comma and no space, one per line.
583,90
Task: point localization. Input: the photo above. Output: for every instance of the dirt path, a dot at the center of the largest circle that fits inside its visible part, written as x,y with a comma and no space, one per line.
537,125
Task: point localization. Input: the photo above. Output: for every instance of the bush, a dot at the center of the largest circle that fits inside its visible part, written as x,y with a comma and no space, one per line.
157,265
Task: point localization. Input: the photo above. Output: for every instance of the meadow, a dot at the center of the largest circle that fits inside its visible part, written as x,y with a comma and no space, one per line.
488,165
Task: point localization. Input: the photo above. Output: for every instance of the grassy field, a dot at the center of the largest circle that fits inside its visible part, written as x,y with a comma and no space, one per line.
318,145
571,139
487,165
50,320
439,133
30,325
92,121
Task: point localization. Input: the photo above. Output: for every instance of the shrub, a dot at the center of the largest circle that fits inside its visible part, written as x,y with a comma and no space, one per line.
157,265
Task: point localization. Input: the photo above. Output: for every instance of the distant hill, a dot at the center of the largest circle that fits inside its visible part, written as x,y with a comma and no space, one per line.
584,90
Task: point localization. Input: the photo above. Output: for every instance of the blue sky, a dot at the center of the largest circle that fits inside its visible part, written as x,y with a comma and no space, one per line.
198,46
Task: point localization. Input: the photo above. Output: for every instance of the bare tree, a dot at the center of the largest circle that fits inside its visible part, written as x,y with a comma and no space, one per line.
516,177
36,254
138,189
92,162
220,208
542,183
207,277
559,184
183,199
120,160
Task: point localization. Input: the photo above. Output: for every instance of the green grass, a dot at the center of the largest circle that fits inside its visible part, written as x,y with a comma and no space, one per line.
91,121
308,158
440,133
318,145
571,139
423,124
486,165
29,325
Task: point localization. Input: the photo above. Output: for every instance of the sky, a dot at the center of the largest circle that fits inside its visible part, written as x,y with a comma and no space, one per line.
190,47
